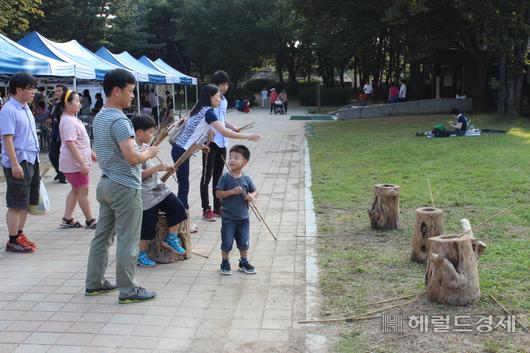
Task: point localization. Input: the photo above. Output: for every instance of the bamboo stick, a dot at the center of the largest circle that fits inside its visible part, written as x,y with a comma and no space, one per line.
355,317
430,192
197,145
486,221
251,203
199,254
246,127
507,312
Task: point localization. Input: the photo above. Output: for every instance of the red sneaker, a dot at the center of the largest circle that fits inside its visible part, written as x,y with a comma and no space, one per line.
208,215
18,247
22,239
217,213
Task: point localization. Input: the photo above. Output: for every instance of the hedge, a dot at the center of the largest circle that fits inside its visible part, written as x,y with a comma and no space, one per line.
335,96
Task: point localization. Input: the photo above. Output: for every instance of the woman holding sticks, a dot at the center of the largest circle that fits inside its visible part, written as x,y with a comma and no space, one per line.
197,127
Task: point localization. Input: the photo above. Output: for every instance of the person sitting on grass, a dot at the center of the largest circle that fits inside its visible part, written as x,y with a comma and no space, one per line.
461,123
235,191
156,196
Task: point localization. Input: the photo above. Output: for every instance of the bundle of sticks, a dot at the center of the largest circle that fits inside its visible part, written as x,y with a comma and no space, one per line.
165,130
197,145
246,127
251,204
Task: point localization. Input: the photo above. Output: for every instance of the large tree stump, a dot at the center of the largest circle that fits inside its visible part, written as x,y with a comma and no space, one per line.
429,223
160,253
452,269
384,213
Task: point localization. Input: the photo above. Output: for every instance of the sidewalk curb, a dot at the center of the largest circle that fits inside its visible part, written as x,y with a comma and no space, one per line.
315,343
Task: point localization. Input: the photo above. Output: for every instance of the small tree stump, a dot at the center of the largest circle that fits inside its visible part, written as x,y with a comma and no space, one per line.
384,213
160,253
429,223
452,269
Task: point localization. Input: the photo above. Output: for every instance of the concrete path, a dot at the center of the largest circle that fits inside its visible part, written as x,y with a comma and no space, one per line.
43,308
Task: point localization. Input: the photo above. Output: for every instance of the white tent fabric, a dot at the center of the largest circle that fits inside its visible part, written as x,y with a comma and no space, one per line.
106,55
167,68
15,58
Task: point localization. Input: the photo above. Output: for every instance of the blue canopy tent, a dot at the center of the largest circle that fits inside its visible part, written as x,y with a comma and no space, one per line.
84,68
193,81
180,77
128,61
17,58
106,55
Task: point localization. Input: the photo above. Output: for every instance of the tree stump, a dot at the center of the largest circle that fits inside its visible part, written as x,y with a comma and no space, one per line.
452,269
160,253
384,213
429,223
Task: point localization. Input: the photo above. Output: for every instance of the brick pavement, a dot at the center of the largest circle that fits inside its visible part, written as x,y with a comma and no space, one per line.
43,308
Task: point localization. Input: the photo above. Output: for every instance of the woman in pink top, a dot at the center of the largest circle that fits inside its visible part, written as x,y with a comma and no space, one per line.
75,160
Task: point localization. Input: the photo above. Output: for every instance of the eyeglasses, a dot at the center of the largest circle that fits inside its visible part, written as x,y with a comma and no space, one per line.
31,89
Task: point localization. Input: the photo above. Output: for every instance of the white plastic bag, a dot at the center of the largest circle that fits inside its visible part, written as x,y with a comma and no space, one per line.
44,202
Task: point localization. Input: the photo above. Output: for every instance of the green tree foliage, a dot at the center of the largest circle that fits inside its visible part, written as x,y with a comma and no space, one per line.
16,15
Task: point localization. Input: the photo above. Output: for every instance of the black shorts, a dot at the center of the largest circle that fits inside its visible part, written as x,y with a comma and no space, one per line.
23,192
171,206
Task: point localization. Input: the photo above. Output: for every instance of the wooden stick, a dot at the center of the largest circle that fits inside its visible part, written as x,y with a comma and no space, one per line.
392,300
199,254
251,203
507,312
246,127
211,134
185,156
356,317
486,221
430,191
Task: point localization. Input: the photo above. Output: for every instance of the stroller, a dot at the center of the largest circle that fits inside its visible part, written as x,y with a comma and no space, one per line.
278,107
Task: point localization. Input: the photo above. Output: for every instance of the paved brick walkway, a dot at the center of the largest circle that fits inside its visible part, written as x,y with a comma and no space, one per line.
43,309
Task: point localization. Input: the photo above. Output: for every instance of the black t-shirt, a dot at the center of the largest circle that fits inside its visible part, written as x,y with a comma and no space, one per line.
462,120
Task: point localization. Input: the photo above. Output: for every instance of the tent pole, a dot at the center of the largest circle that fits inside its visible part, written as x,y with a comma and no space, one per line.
75,83
138,97
186,97
197,92
173,93
157,104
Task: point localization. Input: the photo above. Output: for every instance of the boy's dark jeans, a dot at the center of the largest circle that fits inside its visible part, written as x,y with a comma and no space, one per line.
234,229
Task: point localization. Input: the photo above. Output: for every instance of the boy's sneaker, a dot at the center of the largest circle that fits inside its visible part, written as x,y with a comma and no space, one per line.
246,267
19,246
144,260
208,215
225,268
107,287
172,242
139,295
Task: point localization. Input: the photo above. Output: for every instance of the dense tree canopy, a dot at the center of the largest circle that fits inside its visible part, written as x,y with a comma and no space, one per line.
371,39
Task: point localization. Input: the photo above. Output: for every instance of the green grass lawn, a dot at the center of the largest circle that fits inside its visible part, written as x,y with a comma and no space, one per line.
471,177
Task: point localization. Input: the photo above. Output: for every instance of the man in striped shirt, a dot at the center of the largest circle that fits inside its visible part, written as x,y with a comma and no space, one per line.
118,193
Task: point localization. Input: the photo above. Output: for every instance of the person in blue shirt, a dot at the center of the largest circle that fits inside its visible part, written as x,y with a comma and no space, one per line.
235,190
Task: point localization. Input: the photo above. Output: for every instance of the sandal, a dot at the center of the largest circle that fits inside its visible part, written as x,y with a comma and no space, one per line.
70,223
91,224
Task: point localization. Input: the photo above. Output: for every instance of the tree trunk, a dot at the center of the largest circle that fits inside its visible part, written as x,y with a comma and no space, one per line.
480,88
429,223
384,213
162,254
452,269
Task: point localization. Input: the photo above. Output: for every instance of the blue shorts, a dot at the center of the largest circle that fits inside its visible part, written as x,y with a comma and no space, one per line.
235,229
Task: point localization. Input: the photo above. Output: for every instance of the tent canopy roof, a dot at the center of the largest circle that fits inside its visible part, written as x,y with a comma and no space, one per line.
105,54
17,58
162,64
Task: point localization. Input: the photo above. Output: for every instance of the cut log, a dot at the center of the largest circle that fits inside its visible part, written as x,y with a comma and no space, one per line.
384,213
452,269
159,252
429,223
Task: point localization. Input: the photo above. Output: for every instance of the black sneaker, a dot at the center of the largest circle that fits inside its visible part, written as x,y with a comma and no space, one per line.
107,287
139,295
225,268
247,268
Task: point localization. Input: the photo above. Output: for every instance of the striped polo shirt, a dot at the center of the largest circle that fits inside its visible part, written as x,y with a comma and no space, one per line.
110,128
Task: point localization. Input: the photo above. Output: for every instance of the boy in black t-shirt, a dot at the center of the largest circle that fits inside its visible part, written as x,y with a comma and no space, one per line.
235,191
